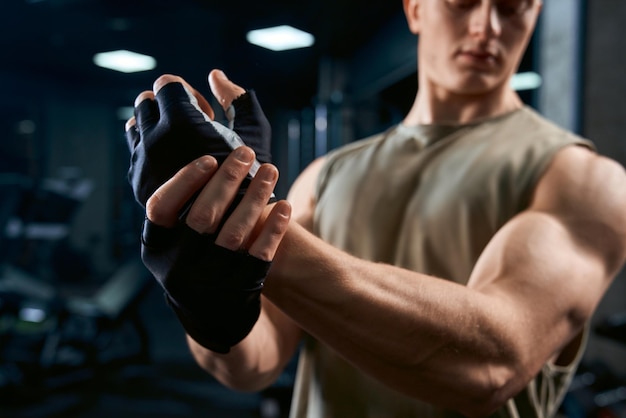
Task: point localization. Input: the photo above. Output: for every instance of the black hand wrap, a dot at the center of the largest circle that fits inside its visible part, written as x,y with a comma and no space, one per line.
214,292
172,131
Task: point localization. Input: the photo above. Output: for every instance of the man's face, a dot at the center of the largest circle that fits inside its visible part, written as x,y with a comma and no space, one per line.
472,46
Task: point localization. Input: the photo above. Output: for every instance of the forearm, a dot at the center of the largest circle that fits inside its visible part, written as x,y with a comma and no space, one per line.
258,360
432,339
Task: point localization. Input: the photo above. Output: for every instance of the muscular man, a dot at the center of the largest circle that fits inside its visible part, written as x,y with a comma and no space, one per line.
447,266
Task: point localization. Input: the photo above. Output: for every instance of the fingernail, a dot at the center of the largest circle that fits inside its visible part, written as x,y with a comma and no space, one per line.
267,174
284,211
220,74
204,163
244,154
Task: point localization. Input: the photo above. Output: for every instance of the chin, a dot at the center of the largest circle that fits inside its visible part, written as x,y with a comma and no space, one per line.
476,84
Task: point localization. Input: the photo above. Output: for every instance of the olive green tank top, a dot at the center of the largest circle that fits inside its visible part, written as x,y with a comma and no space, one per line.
428,199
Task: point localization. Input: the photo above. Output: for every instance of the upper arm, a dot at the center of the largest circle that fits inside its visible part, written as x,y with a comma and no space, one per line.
302,194
548,267
587,194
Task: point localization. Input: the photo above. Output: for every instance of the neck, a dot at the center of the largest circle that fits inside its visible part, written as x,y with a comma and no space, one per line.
434,106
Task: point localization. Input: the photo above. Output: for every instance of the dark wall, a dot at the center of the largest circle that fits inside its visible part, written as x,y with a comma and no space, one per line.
604,113
53,130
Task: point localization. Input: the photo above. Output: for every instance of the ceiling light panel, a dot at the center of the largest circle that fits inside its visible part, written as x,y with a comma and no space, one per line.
280,38
124,61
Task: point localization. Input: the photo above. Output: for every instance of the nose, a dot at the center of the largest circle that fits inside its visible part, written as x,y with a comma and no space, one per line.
485,21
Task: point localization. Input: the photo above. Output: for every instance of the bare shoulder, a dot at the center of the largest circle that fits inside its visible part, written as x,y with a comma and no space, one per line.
302,194
591,181
587,192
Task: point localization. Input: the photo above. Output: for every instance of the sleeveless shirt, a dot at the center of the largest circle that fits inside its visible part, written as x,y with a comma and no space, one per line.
428,199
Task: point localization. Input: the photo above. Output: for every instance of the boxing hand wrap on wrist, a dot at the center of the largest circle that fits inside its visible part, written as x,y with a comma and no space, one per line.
215,292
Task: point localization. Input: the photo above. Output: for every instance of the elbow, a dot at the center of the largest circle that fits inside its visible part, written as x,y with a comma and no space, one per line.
481,391
241,382
245,385
244,382
501,383
228,373
482,408
504,369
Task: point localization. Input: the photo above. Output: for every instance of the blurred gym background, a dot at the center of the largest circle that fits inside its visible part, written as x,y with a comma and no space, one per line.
84,331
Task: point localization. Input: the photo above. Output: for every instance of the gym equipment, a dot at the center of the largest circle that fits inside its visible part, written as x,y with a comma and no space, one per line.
48,341
596,391
51,339
613,327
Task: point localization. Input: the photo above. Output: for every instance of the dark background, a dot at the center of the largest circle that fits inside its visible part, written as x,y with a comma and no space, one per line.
69,226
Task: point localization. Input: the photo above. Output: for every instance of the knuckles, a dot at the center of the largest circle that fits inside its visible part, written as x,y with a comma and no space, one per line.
259,192
165,79
203,220
233,172
233,237
156,210
144,95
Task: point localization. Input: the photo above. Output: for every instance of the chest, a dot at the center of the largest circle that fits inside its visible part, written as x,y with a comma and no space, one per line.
415,208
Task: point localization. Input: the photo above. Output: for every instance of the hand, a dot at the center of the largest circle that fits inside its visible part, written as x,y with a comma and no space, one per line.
213,282
212,275
174,110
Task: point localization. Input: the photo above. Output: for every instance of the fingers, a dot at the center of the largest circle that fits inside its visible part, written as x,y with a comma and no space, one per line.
273,230
240,225
224,90
167,95
244,114
150,106
130,123
206,214
163,207
146,114
250,226
146,111
132,135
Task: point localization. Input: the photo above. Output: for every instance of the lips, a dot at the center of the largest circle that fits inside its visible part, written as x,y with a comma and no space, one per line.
479,54
478,57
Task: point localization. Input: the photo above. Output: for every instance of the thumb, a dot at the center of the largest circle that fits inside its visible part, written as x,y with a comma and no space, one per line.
224,90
